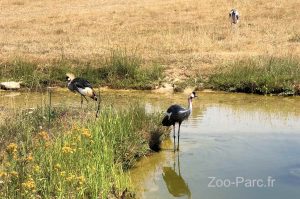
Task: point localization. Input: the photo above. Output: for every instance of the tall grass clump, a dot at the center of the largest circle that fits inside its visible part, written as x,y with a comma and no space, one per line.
121,70
87,158
19,70
117,70
25,123
33,74
259,75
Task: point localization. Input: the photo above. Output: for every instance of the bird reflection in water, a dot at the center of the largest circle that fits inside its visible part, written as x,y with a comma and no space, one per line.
174,181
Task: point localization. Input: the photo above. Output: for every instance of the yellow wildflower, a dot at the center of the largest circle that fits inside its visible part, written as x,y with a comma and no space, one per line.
29,157
14,174
29,184
57,167
37,168
12,148
67,149
86,133
70,177
75,127
81,180
63,173
3,174
43,135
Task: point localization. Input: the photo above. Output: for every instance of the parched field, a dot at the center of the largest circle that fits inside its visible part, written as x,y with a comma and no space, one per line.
186,36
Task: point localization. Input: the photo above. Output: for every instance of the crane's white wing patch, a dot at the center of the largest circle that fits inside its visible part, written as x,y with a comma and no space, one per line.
86,91
183,111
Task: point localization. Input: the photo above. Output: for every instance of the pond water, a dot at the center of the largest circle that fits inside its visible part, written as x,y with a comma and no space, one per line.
232,146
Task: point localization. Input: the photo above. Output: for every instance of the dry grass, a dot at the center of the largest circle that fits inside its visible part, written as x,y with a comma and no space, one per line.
185,35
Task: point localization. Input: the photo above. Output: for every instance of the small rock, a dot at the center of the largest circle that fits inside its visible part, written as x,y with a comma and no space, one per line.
10,85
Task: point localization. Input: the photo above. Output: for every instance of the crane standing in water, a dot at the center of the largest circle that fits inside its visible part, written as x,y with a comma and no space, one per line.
177,114
82,86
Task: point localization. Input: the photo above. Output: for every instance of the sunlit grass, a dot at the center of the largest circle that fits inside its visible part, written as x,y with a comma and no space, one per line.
179,34
117,70
83,158
259,75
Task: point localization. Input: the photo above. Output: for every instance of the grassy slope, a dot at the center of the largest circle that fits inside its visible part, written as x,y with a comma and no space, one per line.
119,70
259,75
80,158
188,36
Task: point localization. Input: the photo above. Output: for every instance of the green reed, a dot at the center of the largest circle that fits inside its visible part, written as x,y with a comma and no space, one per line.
259,75
82,157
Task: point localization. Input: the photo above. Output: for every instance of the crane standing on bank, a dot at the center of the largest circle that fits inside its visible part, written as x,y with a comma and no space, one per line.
82,86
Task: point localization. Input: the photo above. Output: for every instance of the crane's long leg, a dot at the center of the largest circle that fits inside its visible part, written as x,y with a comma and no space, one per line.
82,96
178,137
178,164
98,106
174,136
85,99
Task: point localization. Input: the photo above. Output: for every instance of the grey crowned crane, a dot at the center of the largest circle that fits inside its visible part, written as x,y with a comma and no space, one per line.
82,86
234,16
177,114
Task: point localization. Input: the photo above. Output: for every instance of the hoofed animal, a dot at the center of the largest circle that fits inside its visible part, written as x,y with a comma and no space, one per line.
234,16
